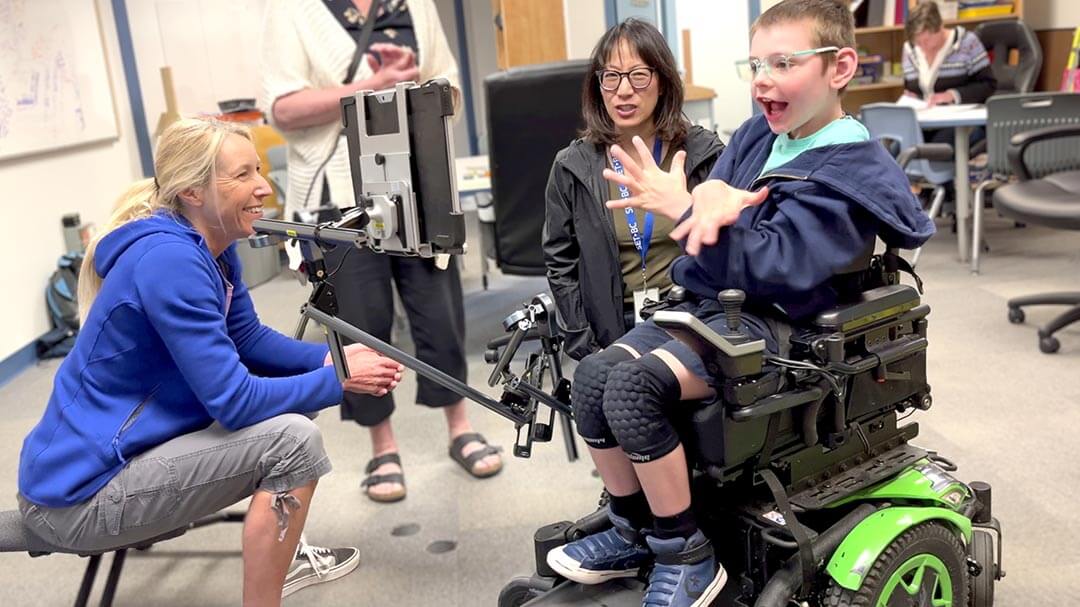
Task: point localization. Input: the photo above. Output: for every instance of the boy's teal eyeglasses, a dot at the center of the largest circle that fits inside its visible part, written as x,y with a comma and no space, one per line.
776,65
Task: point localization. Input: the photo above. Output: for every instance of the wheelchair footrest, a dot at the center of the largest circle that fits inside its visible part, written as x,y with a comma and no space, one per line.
858,477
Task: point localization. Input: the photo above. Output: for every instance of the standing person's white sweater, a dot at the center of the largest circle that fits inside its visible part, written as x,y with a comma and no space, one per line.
308,48
305,47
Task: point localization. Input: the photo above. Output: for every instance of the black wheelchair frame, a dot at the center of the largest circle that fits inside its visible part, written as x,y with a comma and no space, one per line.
785,438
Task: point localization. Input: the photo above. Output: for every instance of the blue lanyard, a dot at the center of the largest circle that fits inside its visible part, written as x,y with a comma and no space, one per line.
641,241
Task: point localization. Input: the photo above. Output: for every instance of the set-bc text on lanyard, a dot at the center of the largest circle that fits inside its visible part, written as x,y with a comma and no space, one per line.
641,239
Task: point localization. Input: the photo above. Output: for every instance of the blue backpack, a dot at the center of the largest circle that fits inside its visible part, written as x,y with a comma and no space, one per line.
62,304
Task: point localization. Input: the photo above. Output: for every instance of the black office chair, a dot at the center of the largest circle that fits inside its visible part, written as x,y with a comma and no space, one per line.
1008,115
1000,38
533,112
1052,200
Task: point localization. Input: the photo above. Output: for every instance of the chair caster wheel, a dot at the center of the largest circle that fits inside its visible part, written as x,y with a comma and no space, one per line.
1049,344
1016,316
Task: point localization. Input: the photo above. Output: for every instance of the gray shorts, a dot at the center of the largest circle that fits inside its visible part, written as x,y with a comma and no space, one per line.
183,480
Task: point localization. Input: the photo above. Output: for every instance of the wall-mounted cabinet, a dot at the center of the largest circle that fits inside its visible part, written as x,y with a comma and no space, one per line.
529,31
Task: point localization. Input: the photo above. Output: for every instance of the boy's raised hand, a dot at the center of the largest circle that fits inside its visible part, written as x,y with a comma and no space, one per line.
651,188
715,205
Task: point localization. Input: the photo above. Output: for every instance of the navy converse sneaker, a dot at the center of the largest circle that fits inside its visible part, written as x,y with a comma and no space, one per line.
686,573
602,556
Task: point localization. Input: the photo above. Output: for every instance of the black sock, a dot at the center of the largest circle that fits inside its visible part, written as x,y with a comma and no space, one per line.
681,525
634,508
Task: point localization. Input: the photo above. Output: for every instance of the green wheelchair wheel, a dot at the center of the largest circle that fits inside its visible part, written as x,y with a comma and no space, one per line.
924,567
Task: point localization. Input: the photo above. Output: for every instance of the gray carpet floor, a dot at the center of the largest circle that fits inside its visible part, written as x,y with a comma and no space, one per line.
1003,411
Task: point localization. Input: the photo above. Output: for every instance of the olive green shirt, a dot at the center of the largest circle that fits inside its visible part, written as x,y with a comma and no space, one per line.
662,250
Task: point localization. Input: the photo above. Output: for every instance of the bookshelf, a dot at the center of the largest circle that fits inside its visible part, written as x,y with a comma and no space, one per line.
888,41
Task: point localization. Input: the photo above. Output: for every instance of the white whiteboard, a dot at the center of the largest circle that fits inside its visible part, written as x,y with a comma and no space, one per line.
54,82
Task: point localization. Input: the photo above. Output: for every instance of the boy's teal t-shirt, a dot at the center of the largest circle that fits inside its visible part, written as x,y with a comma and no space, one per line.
841,130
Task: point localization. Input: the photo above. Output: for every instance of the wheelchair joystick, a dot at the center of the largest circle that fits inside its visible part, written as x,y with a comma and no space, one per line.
676,295
732,301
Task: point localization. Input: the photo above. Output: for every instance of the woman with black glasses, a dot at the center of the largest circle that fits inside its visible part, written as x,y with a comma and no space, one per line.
602,264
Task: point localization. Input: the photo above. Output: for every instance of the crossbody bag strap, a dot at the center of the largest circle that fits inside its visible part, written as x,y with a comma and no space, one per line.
362,41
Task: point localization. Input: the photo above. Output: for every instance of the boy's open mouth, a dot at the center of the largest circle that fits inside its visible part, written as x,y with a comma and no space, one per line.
773,109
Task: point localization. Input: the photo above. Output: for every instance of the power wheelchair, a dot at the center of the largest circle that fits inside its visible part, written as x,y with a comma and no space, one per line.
803,474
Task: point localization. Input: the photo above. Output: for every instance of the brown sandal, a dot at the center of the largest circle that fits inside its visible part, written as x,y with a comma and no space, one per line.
379,479
468,462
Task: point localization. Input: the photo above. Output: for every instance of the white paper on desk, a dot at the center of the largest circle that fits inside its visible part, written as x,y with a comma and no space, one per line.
954,107
953,112
912,102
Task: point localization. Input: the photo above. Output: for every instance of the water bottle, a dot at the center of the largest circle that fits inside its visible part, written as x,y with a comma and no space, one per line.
73,228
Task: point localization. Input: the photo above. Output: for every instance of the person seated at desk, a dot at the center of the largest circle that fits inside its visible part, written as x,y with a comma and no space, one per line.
176,401
944,65
598,261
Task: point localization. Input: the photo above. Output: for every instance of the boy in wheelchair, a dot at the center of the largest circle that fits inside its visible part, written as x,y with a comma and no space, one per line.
799,195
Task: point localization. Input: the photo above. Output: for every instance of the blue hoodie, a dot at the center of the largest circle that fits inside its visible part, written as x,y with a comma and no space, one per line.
824,209
162,354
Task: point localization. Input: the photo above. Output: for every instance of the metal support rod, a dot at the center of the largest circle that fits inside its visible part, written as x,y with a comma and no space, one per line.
498,373
544,397
301,328
334,324
325,234
337,355
109,593
568,437
552,350
87,584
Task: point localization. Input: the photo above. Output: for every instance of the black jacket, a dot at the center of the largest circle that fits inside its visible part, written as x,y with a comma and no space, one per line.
580,251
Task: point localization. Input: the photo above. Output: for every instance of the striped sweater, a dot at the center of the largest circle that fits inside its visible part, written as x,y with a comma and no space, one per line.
304,46
961,67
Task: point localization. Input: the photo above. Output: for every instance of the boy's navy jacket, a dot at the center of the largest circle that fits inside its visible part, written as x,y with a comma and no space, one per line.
824,209
162,354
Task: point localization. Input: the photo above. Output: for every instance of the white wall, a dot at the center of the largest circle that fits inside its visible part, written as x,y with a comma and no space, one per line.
448,18
765,5
585,23
480,38
1052,14
212,48
718,37
38,190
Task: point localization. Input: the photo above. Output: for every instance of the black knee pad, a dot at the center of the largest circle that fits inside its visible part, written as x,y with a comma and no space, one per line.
587,396
634,401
